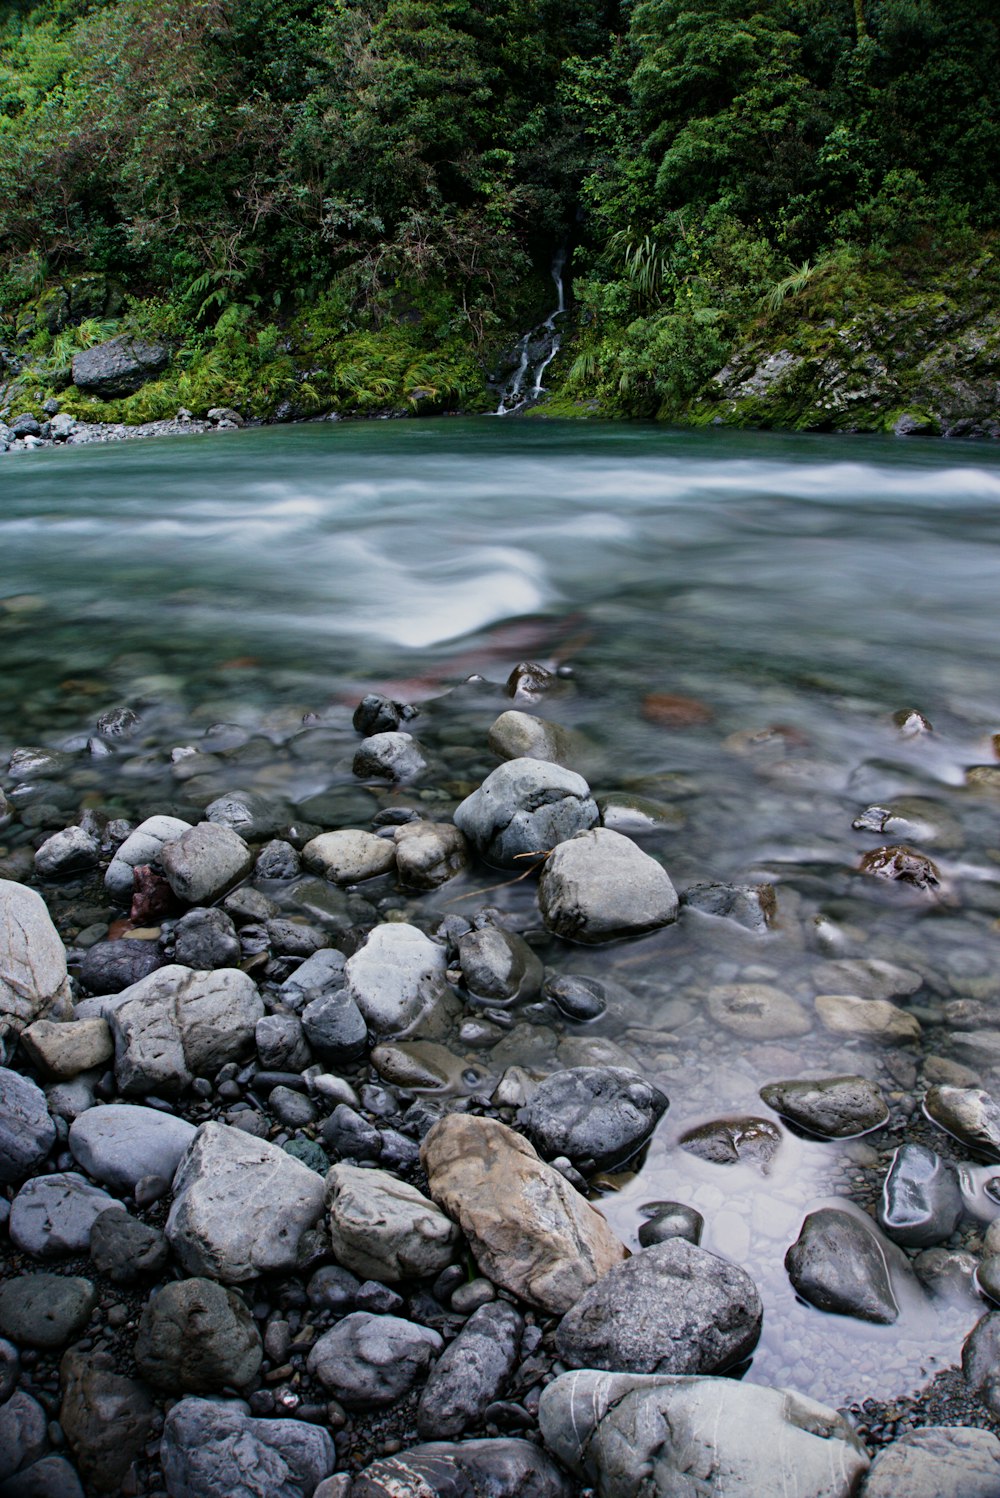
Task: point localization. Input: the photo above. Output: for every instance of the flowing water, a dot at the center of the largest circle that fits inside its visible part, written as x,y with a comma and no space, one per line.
736,617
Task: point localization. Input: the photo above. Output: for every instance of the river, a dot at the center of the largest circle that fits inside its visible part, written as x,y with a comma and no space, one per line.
736,616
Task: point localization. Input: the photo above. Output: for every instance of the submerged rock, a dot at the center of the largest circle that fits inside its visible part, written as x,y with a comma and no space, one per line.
757,1011
678,1437
599,886
838,1265
754,906
902,865
846,1014
726,1141
832,1107
921,1200
673,1308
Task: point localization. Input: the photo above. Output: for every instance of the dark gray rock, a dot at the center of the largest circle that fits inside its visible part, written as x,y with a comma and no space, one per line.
333,1288
335,1028
580,999
753,906
277,860
833,1108
672,1308
197,1336
281,1043
117,723
107,1419
728,1141
597,1116
837,1264
10,1369
318,975
376,714
51,1216
471,1372
27,1132
45,1310
120,1143
981,1360
600,886
23,1433
125,1250
111,966
498,967
666,1220
51,1477
68,852
666,1437
292,1108
525,807
291,938
921,1201
121,366
505,1467
368,1362
213,1449
349,1136
936,1462
206,939
969,1115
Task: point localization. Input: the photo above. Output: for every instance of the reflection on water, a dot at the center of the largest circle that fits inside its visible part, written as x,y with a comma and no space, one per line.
805,586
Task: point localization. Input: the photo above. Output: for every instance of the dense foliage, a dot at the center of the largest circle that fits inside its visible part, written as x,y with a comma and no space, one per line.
353,203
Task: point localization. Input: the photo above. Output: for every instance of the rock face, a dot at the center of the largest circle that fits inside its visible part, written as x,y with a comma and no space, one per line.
33,981
383,1229
121,366
834,1108
240,1206
595,1115
349,856
599,886
666,1437
141,847
215,1450
501,1468
52,1216
178,1023
27,1132
368,1360
968,1114
838,1265
197,1336
525,807
921,1200
528,1229
397,977
204,862
471,1372
936,1462
673,1308
119,1143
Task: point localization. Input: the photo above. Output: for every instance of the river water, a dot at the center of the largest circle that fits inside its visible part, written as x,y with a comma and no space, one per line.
736,617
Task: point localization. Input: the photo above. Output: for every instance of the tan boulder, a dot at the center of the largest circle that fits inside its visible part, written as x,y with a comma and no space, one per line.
529,1230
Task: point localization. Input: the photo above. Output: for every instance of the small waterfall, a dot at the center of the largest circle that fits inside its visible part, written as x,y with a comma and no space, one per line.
534,352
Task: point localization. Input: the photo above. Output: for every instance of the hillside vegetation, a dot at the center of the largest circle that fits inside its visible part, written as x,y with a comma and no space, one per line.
780,212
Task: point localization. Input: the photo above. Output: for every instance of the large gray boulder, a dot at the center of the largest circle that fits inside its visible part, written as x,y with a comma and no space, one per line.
27,1132
597,1116
369,1361
121,366
673,1308
197,1336
383,1229
33,981
51,1216
936,1462
241,1206
833,1107
838,1264
178,1024
349,855
142,846
120,1143
204,862
524,808
599,886
214,1449
397,979
668,1437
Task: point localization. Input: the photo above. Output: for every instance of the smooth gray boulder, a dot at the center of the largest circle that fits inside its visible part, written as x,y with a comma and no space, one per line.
205,938
118,367
504,1467
120,1143
204,862
837,1264
472,1371
383,1229
833,1107
668,1437
523,809
51,1216
936,1462
520,735
397,979
214,1449
389,756
178,1024
33,981
196,1336
349,856
241,1206
368,1361
320,974
141,847
67,852
921,1202
597,1116
27,1131
599,886
498,967
672,1308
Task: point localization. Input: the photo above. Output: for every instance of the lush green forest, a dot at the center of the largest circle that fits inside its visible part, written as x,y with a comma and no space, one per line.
354,205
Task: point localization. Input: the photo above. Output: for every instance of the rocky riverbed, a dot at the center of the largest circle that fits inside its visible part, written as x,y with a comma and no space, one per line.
444,1130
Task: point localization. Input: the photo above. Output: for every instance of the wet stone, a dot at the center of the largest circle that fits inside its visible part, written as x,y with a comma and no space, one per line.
277,860
376,714
580,999
969,1115
665,1220
902,865
596,1116
751,906
838,1265
877,1019
833,1107
757,1011
728,1141
599,886
525,807
921,1201
498,967
389,756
